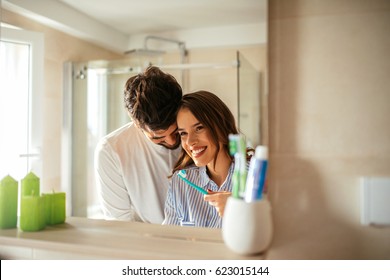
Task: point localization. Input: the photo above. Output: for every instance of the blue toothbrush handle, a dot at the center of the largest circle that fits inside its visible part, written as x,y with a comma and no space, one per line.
199,189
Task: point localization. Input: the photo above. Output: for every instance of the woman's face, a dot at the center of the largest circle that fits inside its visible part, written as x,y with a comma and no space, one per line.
195,138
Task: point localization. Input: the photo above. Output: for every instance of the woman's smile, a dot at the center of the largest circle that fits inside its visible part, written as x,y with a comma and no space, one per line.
198,151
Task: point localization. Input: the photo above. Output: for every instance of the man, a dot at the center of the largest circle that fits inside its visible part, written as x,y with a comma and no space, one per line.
132,164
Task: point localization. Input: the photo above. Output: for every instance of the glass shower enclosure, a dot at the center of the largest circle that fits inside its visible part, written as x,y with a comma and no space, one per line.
94,107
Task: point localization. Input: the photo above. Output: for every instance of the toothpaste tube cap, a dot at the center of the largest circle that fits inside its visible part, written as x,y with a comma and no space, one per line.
261,152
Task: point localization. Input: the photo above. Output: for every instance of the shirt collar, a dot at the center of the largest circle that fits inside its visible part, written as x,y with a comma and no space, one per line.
204,178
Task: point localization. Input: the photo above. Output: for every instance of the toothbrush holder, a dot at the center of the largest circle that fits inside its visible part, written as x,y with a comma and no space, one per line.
247,226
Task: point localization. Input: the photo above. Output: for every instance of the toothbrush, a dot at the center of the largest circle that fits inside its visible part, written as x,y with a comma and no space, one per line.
182,175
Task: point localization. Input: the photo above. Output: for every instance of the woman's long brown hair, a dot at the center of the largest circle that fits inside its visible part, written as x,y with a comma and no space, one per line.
214,115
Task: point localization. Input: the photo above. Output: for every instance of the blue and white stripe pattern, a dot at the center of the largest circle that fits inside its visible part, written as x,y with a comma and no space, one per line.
186,206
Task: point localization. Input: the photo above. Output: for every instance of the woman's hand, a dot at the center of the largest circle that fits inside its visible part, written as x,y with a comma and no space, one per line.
218,200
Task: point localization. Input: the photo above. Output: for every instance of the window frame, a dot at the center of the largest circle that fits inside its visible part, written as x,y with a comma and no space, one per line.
35,41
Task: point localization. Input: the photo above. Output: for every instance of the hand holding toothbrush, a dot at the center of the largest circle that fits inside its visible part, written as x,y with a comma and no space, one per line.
218,200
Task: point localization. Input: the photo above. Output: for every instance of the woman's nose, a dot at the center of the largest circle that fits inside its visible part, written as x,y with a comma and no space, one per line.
191,139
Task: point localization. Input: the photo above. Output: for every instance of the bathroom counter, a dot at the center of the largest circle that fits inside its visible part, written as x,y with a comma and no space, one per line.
81,238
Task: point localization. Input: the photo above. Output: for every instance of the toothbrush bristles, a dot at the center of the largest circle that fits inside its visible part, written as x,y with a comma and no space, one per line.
182,173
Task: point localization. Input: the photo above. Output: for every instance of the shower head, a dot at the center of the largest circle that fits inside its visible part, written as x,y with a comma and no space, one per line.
145,52
153,52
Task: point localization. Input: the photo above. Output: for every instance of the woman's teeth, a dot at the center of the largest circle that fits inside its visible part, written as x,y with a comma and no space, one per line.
198,151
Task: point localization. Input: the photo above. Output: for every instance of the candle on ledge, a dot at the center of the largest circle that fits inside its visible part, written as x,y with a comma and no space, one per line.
54,208
30,184
32,212
8,202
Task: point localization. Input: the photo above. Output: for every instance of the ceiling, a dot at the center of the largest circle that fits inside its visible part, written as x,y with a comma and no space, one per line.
151,16
118,24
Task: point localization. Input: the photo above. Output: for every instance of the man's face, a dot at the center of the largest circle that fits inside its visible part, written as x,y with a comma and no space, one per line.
168,138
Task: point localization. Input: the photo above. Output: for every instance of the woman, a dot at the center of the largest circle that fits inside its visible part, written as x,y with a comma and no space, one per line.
204,124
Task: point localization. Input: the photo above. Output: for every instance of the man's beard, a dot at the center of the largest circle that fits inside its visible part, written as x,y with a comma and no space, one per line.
171,147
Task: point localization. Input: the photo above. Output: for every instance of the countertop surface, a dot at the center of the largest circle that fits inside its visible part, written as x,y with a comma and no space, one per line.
82,238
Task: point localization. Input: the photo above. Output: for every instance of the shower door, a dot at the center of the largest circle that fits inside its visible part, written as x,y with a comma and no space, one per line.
93,107
250,102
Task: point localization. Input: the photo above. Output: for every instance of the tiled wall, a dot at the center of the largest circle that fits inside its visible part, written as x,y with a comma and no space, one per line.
329,124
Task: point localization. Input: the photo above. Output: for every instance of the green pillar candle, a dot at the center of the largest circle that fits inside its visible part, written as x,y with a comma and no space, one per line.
32,212
54,208
30,184
8,202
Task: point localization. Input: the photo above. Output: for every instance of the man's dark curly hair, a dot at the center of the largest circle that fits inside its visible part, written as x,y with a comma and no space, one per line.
152,99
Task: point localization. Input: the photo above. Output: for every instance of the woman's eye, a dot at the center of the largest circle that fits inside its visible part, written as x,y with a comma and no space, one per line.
199,128
182,134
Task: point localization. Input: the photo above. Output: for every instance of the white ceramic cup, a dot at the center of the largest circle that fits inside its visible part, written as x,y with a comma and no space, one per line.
247,227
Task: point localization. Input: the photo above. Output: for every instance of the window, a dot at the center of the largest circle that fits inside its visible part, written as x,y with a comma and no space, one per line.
21,86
